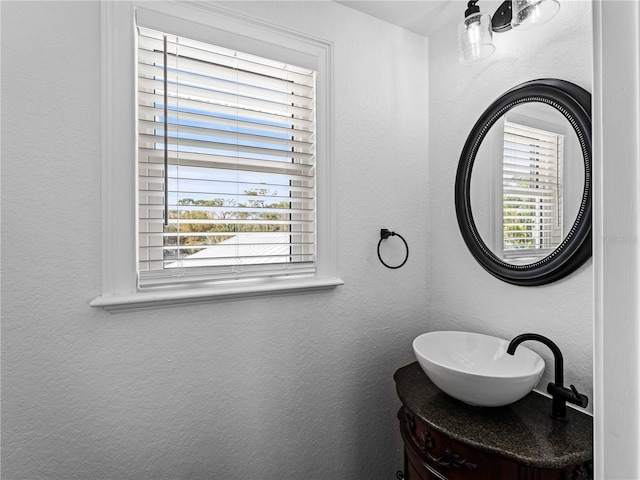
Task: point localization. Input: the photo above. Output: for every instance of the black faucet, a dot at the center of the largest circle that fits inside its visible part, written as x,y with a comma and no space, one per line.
556,389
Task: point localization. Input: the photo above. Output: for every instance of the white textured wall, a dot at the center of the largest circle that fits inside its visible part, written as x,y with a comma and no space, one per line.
273,388
462,295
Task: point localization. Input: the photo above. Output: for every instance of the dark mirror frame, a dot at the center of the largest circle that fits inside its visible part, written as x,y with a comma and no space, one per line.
575,104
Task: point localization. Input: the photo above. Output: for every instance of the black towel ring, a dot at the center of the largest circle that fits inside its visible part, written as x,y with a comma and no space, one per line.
384,234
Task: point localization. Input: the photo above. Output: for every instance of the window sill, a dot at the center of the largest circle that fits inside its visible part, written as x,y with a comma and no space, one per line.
159,297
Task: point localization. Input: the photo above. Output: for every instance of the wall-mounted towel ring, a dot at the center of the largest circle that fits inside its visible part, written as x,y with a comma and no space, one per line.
384,234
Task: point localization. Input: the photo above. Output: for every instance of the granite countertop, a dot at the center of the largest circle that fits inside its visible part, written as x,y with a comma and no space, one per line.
522,431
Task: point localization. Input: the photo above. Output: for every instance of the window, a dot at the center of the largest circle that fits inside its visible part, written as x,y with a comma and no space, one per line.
226,152
225,137
531,192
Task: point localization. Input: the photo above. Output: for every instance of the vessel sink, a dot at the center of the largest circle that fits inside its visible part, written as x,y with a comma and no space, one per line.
476,368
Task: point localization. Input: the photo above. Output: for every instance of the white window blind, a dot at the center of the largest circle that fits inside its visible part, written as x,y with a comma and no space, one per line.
532,191
226,152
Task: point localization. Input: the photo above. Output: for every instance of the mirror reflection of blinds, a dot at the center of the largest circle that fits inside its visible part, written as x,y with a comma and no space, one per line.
227,141
531,191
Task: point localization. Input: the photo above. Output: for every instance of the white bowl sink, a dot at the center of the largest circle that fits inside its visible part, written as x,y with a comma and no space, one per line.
476,369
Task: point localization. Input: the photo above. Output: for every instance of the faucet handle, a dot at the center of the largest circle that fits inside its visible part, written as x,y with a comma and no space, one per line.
570,395
579,399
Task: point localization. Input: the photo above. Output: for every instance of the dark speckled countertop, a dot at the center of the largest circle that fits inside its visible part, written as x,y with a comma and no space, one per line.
522,431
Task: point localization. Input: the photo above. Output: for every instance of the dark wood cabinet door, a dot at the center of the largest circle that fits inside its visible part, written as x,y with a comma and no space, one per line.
431,455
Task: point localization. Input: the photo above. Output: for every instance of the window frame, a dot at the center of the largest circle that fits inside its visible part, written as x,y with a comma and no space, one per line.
260,94
119,149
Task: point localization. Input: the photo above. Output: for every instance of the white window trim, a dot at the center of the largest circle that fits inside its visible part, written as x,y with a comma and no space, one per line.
119,262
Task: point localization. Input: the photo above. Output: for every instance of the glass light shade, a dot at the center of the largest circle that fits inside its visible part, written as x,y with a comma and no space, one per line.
475,38
529,13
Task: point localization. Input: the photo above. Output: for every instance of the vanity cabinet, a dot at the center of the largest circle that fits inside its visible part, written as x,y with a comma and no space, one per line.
445,439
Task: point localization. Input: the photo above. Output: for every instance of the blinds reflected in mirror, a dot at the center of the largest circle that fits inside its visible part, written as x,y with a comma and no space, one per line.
531,191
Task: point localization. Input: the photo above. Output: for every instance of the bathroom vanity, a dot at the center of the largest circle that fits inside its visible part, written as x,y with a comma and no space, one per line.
446,439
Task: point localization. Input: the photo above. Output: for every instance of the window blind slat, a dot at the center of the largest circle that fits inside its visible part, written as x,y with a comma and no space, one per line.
221,78
150,221
195,93
510,172
541,181
514,142
240,210
227,272
213,135
151,159
225,191
529,192
528,163
283,119
180,143
149,113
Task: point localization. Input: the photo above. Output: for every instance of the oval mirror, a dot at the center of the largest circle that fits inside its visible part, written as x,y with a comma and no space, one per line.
523,185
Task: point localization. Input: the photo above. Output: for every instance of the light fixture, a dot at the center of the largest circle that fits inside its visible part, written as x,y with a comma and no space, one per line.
529,13
475,33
